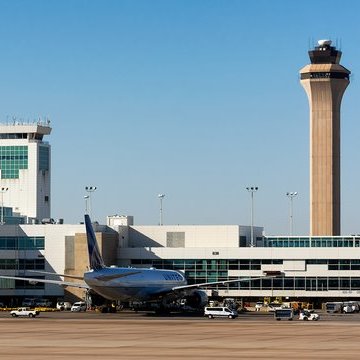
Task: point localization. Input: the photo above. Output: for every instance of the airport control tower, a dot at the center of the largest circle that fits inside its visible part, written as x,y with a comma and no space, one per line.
25,170
324,81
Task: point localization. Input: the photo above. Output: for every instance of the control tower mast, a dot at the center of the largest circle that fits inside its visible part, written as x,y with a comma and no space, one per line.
324,81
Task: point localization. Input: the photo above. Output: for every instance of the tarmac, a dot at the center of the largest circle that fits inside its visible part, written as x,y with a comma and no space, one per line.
140,336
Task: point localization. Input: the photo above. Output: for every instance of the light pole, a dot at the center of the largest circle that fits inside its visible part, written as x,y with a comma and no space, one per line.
3,190
161,197
89,189
252,190
86,197
291,196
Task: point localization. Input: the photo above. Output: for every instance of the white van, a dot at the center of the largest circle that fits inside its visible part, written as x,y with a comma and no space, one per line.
220,311
79,306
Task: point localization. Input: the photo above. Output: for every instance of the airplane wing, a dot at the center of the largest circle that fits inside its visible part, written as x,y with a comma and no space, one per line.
57,274
100,277
57,282
192,286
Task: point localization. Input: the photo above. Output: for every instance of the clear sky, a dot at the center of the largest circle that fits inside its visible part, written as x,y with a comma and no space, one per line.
193,99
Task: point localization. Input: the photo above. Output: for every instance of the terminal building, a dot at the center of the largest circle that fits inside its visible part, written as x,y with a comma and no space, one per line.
321,267
314,268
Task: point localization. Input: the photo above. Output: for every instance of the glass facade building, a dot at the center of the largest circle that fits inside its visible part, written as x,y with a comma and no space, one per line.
200,271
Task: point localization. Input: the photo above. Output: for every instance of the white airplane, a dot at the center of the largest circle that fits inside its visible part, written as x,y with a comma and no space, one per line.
133,284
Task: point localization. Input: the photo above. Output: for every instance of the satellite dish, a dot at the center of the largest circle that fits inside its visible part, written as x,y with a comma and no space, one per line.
323,43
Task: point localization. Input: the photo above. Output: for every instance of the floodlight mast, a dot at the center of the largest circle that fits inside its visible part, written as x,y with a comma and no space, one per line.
86,197
252,190
291,196
161,197
89,189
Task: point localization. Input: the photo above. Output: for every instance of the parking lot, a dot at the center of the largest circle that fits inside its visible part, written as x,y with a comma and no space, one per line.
129,335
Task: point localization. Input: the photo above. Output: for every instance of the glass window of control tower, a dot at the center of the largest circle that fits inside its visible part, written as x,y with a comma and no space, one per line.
12,159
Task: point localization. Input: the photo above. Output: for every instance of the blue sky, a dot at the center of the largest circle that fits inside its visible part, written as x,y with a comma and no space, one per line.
193,99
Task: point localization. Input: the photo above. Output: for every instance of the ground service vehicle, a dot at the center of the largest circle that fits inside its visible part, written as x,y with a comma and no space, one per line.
283,314
350,307
28,302
308,315
24,311
333,307
275,306
220,311
43,303
63,305
79,306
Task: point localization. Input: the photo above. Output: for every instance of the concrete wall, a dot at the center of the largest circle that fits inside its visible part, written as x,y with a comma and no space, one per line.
196,236
108,244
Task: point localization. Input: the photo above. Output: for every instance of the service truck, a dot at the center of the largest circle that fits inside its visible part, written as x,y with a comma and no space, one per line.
24,311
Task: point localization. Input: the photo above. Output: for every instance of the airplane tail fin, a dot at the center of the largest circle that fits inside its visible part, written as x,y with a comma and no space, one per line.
95,259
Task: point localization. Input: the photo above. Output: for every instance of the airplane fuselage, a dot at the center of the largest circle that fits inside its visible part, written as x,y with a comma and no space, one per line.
133,284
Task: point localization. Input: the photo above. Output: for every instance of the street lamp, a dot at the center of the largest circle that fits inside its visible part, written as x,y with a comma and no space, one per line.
291,196
161,197
86,197
89,189
252,190
3,190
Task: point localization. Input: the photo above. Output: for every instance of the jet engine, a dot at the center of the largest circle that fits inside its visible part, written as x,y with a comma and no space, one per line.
197,299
